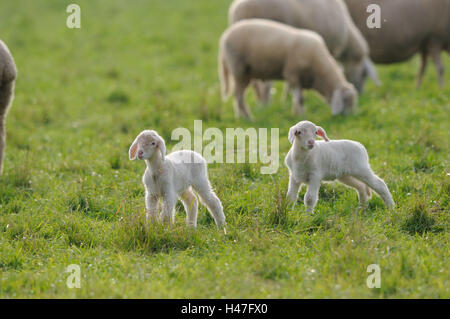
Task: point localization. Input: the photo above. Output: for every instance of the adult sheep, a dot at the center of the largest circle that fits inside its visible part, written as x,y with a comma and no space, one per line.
258,49
407,27
8,73
329,18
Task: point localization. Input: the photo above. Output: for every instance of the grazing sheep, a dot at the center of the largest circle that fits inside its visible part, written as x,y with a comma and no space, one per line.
407,27
329,18
311,162
8,73
267,50
172,177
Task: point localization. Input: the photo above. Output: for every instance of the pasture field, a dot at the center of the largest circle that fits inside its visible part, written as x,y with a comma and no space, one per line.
69,194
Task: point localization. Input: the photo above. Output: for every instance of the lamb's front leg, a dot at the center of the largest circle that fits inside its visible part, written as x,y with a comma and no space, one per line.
151,206
312,194
169,201
292,192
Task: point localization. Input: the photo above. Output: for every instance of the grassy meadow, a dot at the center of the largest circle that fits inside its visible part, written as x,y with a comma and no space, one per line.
70,195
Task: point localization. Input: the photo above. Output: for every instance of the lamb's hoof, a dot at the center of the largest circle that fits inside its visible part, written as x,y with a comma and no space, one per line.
391,206
360,209
363,206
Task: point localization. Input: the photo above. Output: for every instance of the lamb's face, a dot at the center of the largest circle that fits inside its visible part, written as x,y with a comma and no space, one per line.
145,145
305,133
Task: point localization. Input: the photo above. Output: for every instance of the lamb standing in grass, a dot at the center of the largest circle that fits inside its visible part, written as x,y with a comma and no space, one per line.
8,73
267,50
310,162
176,175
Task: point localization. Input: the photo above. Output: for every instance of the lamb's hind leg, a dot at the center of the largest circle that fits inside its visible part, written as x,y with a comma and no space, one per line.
378,185
211,201
190,204
362,189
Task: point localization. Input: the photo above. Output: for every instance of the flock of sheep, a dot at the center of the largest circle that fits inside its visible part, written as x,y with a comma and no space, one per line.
320,44
304,42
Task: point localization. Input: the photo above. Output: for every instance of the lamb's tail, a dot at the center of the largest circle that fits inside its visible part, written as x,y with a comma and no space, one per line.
226,81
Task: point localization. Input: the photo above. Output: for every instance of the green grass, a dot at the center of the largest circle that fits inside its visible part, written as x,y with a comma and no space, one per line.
69,194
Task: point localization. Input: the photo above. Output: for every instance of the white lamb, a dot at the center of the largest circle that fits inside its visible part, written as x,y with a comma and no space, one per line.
311,162
172,177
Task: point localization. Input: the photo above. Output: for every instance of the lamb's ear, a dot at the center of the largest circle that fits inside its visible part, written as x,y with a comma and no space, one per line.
162,147
133,150
291,135
321,132
371,71
337,102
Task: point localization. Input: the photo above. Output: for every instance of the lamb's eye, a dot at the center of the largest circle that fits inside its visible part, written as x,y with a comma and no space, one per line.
153,143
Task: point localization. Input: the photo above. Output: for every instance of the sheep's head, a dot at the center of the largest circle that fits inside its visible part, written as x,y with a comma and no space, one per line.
145,145
305,132
357,72
344,99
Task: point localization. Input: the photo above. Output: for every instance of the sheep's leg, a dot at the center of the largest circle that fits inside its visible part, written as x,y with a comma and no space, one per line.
423,67
190,204
211,201
293,188
6,95
167,214
362,189
257,88
240,108
297,97
262,90
312,195
285,94
436,55
266,92
151,205
297,101
379,186
2,142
